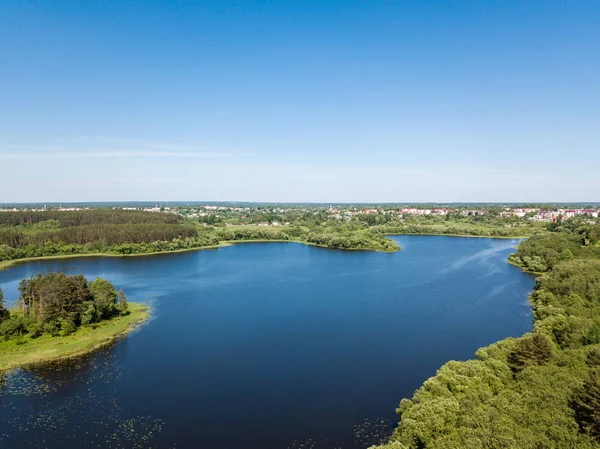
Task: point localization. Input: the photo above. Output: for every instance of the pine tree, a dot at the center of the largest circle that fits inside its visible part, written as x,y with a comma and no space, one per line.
532,349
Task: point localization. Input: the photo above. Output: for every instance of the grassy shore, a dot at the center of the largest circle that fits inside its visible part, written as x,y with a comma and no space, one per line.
20,352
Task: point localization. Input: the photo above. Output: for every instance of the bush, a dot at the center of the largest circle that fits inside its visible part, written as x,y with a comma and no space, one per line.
13,327
67,327
35,329
52,328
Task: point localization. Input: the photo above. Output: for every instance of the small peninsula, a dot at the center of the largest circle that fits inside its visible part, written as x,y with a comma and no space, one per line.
59,316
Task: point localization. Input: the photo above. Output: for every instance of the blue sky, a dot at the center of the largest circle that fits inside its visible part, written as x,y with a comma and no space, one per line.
325,101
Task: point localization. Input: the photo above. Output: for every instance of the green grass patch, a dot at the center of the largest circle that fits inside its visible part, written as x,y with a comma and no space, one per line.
24,351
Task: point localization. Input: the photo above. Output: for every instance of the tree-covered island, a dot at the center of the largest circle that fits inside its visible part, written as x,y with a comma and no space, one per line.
59,316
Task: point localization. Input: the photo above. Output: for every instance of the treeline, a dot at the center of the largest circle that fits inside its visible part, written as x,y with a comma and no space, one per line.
538,391
457,229
55,249
107,233
344,237
355,240
58,304
68,219
231,234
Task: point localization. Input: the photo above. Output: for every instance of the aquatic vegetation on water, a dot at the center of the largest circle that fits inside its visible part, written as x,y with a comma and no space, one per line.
92,415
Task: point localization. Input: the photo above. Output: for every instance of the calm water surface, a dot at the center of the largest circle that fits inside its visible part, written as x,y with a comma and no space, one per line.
276,345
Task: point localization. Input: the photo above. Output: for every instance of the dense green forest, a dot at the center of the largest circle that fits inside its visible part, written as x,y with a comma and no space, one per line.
46,233
538,391
571,240
58,304
99,216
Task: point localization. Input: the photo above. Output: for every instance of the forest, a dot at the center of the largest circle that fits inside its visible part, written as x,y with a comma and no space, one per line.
538,391
58,304
97,216
29,234
541,253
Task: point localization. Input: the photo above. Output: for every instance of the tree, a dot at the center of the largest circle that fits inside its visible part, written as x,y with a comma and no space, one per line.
122,305
89,315
533,349
586,404
593,357
105,297
3,311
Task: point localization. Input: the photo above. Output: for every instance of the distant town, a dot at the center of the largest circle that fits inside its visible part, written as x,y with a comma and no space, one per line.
335,212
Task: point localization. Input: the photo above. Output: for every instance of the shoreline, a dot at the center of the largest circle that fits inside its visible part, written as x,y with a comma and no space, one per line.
85,340
465,235
6,264
135,325
233,242
524,270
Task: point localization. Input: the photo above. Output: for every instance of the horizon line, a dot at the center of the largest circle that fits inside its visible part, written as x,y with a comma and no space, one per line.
296,202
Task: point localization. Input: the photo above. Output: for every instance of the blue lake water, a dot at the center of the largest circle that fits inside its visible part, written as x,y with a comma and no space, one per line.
275,345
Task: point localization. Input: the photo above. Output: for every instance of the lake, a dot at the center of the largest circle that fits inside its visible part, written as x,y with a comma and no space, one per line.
268,345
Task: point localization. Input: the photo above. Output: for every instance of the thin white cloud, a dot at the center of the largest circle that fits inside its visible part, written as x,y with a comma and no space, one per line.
55,153
134,143
101,144
451,171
